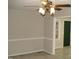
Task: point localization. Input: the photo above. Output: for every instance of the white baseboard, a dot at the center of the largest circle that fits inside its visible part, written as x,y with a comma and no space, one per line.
20,46
24,46
26,53
42,50
49,52
58,47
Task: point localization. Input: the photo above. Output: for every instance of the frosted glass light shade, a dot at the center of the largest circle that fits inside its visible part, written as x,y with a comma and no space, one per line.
44,3
52,11
42,11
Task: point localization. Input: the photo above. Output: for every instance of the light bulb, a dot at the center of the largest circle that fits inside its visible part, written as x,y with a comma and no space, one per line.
44,3
52,11
42,11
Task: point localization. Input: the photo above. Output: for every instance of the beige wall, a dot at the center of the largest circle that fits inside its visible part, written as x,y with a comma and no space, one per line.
25,31
48,32
25,46
25,24
48,26
66,11
29,32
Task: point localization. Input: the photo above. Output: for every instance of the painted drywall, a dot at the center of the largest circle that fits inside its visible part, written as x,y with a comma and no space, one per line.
25,46
48,32
66,11
25,31
48,26
29,32
25,24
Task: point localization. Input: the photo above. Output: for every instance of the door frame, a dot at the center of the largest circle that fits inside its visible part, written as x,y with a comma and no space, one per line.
61,30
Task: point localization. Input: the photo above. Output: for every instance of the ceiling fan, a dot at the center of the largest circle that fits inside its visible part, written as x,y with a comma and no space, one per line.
49,6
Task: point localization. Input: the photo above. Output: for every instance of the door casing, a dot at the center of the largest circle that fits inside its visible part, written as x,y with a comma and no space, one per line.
61,32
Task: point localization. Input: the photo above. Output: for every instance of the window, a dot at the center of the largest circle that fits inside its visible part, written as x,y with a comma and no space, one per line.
57,27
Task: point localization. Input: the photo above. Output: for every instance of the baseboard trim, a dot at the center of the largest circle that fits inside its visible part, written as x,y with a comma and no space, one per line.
22,53
26,53
42,50
49,52
58,47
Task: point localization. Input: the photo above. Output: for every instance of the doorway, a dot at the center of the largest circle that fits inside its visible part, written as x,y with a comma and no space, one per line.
67,26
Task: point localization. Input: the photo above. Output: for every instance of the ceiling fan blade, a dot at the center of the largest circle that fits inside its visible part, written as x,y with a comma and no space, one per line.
58,9
63,5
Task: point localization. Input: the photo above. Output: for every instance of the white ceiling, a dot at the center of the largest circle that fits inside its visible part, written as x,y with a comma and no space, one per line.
19,4
22,3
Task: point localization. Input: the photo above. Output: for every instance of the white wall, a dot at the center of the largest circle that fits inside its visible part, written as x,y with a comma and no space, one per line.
48,26
48,32
29,32
25,24
25,46
66,11
25,31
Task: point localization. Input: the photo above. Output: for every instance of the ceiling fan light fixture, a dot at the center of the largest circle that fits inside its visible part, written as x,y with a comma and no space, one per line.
44,3
42,11
52,11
